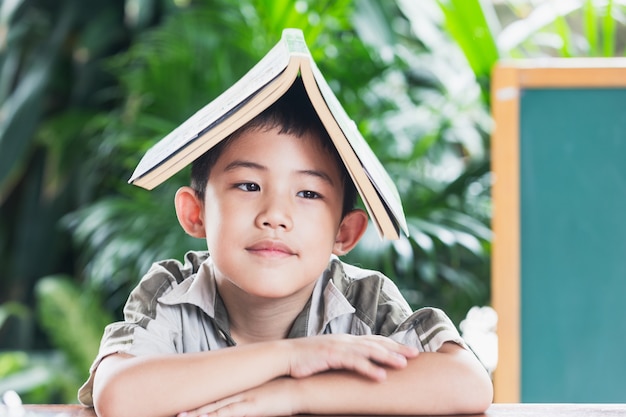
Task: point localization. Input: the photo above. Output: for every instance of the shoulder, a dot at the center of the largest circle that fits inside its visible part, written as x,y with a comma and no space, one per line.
344,274
174,271
430,328
376,300
379,303
365,284
162,278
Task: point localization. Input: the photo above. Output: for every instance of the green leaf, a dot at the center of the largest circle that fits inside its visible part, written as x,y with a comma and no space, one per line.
591,27
22,110
11,362
563,30
608,31
523,32
12,308
467,22
73,319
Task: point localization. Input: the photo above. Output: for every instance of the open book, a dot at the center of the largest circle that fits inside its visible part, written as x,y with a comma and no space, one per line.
267,81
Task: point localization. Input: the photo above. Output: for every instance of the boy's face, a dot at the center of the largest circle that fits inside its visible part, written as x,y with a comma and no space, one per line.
272,213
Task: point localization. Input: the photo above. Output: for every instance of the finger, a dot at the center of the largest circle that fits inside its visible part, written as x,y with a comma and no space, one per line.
211,408
246,407
367,368
367,355
237,409
402,349
382,351
370,356
406,350
393,354
364,357
389,359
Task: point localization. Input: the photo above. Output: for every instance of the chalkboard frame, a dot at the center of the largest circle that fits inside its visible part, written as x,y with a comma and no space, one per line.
509,79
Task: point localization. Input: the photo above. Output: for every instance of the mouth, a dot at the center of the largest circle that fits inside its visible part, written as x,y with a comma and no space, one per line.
271,249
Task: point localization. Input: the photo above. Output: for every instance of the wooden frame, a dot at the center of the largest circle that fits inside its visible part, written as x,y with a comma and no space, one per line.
509,79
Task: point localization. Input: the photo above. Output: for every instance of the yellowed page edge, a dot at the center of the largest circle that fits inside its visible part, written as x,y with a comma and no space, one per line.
385,226
256,105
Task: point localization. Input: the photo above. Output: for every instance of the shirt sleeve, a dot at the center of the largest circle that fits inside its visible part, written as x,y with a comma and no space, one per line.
146,328
380,308
428,329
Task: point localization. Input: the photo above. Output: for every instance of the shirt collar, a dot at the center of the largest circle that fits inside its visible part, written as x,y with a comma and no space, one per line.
199,290
327,303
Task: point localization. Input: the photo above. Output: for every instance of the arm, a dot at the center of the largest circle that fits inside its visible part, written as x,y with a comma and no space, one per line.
167,384
450,381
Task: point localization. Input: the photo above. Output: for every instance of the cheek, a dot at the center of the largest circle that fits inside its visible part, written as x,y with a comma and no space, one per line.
226,221
321,230
215,220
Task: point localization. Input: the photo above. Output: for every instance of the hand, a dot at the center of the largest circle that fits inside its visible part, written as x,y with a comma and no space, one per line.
271,399
365,355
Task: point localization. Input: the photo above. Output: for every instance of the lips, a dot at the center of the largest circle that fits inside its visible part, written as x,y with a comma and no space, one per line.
271,248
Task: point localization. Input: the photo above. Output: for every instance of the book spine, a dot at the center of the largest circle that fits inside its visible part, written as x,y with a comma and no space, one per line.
294,39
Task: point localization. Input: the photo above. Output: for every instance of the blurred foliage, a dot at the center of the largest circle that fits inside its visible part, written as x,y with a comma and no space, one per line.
74,320
419,123
430,126
87,87
589,28
39,377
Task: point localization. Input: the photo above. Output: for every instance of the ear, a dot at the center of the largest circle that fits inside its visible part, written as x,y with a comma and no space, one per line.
350,231
189,210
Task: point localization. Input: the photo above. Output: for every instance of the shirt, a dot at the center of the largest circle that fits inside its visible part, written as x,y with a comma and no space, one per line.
176,308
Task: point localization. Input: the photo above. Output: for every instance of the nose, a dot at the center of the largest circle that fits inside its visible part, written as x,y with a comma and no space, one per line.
275,212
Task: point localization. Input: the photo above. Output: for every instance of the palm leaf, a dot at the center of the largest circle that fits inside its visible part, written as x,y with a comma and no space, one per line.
21,108
73,319
472,23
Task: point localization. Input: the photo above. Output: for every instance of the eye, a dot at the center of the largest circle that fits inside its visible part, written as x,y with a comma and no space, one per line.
248,186
308,194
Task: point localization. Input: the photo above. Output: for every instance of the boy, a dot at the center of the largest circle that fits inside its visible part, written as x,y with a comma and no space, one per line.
272,322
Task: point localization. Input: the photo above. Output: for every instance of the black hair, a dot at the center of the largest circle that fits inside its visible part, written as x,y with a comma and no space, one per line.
293,114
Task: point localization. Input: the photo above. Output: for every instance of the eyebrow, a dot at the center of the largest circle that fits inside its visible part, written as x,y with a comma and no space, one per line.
253,165
244,164
318,174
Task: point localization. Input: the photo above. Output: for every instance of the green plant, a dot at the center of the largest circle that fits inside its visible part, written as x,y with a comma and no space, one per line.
589,28
488,31
38,377
403,90
431,131
52,88
122,233
73,319
74,121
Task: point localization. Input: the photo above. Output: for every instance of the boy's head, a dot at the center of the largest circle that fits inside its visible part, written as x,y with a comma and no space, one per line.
293,114
273,202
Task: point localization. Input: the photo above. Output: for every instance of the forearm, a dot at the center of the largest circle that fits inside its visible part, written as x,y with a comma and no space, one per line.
166,385
432,383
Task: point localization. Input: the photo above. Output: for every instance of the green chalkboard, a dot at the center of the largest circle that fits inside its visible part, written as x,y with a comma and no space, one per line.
573,244
559,222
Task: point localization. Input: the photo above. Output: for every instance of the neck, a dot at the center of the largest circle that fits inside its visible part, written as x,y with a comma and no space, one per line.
254,319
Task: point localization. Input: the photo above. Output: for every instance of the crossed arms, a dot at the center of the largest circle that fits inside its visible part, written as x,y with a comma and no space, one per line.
328,374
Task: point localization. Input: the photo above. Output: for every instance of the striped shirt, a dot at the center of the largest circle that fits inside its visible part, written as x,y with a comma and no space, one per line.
176,309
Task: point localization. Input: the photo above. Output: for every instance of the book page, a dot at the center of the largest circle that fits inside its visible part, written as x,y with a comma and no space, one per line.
379,177
217,110
236,118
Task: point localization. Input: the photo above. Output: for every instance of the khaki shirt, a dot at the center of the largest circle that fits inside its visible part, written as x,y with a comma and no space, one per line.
176,309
